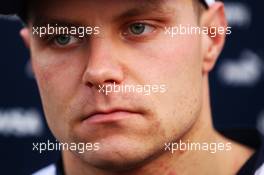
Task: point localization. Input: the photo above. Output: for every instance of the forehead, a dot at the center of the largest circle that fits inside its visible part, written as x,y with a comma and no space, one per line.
103,8
89,5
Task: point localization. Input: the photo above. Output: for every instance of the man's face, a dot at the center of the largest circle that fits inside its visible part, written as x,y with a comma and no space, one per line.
69,74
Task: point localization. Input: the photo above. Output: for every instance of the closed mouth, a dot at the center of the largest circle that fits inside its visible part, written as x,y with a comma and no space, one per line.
111,115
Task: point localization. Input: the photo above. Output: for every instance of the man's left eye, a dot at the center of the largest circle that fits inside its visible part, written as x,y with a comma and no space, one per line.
137,29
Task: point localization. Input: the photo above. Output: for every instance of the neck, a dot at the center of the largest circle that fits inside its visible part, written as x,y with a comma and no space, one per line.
192,161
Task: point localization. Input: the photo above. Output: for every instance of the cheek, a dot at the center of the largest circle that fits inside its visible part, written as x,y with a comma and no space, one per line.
178,66
168,58
58,75
58,84
182,102
55,83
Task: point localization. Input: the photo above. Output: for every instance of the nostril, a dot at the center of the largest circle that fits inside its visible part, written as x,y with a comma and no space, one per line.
89,84
109,81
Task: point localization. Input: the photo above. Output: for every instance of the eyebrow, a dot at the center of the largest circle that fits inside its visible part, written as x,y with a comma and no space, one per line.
43,20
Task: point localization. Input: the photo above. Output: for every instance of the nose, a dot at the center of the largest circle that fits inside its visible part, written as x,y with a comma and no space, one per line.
102,67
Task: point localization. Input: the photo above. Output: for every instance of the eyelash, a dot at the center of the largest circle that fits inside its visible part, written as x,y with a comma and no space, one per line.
127,33
50,40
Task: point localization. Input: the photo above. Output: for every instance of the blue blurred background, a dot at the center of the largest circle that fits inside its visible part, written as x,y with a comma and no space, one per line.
237,85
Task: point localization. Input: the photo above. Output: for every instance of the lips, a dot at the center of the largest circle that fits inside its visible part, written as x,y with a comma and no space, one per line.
109,116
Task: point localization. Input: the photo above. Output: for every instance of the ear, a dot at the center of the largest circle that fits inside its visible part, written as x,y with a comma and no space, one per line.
212,43
25,34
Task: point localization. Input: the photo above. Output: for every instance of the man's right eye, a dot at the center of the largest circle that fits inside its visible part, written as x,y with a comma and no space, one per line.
64,40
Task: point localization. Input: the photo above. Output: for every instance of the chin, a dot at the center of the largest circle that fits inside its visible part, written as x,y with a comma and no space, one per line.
117,156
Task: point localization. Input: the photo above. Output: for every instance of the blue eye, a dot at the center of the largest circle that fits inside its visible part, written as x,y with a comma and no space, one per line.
64,40
138,29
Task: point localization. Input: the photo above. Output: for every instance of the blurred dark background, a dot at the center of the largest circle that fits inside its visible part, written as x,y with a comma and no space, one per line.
237,85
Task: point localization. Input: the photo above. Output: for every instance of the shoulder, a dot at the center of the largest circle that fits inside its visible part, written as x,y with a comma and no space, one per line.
260,171
255,140
260,160
49,170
